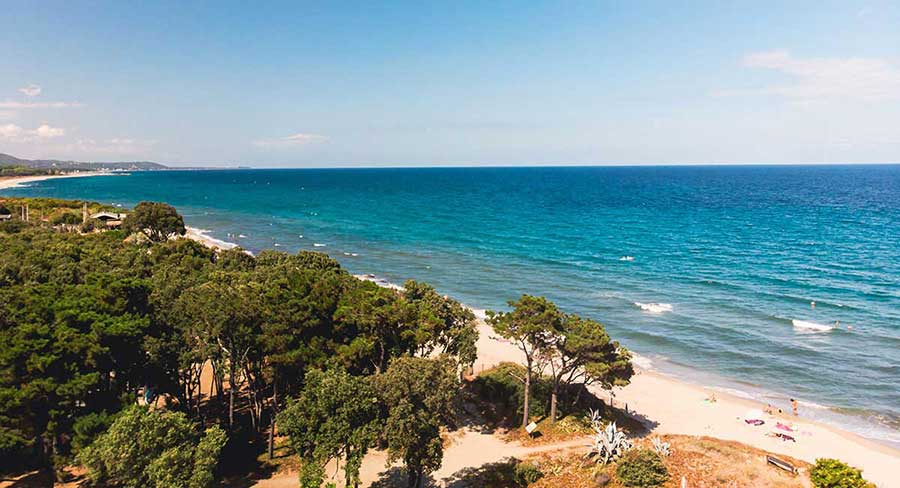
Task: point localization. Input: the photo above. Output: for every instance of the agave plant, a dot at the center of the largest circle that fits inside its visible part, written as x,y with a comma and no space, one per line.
609,443
661,448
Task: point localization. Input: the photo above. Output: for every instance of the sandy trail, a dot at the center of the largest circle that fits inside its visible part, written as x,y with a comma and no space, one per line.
468,449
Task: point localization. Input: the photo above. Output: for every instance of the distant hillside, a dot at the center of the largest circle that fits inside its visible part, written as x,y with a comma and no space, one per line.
53,164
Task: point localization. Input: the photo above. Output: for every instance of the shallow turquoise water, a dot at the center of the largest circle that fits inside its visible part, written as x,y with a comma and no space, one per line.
736,252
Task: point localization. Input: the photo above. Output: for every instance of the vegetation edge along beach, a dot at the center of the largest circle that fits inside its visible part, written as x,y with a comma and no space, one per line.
119,334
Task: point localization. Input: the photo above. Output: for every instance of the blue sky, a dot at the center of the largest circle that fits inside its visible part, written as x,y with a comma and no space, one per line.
451,83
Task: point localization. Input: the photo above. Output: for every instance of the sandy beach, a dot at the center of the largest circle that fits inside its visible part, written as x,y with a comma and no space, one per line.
201,236
669,406
16,181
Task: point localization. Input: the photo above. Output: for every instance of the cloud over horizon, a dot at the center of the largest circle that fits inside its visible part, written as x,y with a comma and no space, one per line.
293,140
31,90
854,79
21,105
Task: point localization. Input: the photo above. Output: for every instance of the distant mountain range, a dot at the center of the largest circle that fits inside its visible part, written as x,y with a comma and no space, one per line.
54,164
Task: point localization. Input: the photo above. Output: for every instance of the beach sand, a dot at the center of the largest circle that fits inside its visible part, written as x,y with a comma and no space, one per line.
16,181
670,406
202,237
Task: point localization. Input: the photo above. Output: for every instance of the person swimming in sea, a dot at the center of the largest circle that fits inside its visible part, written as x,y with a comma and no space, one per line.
837,325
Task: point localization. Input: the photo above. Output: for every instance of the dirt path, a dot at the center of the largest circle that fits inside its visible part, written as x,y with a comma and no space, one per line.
468,449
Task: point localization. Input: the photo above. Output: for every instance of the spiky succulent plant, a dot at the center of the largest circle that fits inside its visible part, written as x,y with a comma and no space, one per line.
661,448
609,442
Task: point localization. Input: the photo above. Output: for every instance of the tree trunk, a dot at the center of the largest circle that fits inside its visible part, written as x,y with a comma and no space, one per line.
272,417
526,405
251,403
212,380
231,396
553,404
414,478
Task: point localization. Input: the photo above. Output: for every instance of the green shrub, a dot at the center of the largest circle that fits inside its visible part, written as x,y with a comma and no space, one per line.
501,388
527,474
831,473
642,468
66,218
12,226
88,427
153,448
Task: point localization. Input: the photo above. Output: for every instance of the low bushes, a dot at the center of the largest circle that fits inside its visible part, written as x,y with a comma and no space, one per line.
527,473
502,392
641,468
831,473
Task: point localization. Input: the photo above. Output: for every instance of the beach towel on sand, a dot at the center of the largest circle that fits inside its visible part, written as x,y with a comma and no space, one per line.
786,427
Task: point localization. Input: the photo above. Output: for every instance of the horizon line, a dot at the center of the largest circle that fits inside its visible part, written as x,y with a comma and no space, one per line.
239,166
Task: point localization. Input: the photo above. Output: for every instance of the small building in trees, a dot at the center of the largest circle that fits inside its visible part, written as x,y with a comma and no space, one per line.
110,219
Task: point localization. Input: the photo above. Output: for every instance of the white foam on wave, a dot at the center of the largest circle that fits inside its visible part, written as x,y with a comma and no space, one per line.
318,245
736,393
654,307
642,362
626,258
808,326
480,313
379,281
202,235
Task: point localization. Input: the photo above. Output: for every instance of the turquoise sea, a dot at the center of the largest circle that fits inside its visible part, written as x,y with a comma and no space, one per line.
723,260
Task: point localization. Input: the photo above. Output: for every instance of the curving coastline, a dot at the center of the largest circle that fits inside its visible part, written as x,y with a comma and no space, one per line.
20,181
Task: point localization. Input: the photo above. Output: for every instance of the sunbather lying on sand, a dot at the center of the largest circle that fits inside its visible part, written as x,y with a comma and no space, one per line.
781,436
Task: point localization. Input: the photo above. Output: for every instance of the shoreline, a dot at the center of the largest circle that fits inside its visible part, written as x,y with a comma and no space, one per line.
20,181
688,413
202,236
669,405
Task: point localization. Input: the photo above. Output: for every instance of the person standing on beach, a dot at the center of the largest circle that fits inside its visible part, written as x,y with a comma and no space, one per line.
794,406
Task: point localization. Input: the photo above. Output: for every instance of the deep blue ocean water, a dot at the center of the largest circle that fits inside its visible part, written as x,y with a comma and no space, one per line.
736,253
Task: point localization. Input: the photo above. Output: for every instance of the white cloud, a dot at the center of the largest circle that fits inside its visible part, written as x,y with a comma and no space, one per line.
819,79
10,131
46,132
19,105
7,114
31,90
117,146
291,140
15,133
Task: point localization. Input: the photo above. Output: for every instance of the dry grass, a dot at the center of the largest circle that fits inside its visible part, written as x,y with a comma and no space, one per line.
565,429
703,461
